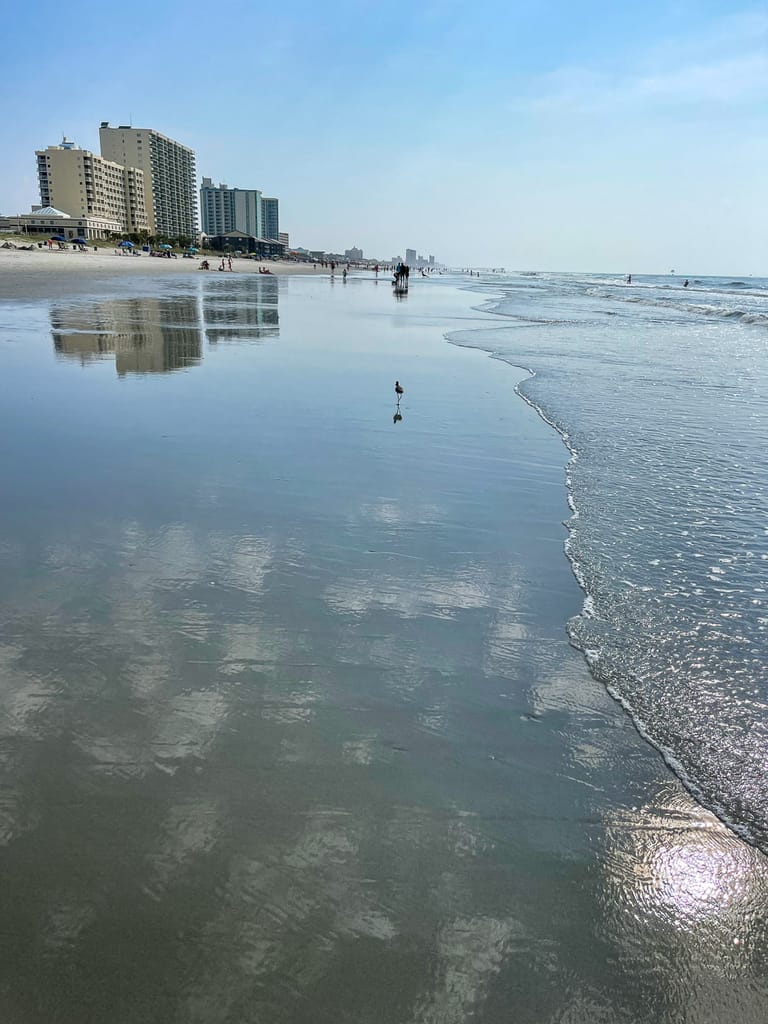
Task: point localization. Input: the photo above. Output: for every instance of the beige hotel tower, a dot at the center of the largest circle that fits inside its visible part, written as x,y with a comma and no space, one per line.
170,180
86,186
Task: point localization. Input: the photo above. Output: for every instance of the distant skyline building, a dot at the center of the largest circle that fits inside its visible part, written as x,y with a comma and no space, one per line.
170,179
354,253
271,218
284,240
410,257
226,209
84,185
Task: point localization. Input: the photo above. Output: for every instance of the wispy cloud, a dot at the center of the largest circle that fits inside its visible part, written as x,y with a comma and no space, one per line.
725,64
723,81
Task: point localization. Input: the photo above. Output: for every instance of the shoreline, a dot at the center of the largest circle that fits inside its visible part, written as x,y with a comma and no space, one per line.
707,802
339,670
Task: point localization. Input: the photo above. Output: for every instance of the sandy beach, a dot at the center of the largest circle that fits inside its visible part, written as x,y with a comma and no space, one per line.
290,725
107,261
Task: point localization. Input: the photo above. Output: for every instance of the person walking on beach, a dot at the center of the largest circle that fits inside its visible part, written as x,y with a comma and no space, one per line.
229,262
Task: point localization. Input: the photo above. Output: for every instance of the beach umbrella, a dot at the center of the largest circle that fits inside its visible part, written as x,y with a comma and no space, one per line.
165,246
125,244
191,248
78,241
58,238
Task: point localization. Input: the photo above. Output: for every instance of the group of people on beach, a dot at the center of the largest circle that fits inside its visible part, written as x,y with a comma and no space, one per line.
226,264
402,274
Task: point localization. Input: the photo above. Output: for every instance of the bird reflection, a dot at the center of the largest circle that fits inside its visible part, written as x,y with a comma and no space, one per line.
399,391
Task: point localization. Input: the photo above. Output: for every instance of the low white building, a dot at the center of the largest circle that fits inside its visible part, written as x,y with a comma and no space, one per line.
48,221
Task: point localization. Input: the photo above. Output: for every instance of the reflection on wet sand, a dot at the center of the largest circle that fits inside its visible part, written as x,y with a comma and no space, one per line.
246,310
145,335
701,896
163,334
288,739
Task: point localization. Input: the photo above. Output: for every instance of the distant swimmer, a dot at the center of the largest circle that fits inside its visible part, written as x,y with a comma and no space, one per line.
629,279
685,283
398,390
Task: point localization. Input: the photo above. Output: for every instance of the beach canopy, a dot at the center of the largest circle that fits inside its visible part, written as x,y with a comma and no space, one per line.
78,241
58,238
165,246
126,244
191,248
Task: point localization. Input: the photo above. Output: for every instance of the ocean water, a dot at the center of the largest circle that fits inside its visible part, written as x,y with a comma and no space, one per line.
661,394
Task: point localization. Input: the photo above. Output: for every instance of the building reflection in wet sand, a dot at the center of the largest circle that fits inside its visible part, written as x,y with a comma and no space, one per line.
245,311
144,335
163,334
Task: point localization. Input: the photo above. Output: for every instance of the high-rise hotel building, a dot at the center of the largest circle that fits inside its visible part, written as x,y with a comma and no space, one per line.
169,175
85,185
271,218
226,209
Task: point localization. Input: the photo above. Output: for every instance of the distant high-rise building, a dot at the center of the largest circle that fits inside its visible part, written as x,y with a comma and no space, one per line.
83,184
227,209
270,217
431,261
354,253
284,240
410,257
169,176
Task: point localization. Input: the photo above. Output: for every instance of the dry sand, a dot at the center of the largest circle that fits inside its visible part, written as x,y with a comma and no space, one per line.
105,261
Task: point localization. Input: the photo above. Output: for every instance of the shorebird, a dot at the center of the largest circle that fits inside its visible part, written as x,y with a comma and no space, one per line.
398,390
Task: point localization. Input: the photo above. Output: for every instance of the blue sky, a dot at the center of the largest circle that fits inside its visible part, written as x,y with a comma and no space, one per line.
542,135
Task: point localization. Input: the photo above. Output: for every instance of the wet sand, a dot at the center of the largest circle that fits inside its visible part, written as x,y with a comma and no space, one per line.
289,723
